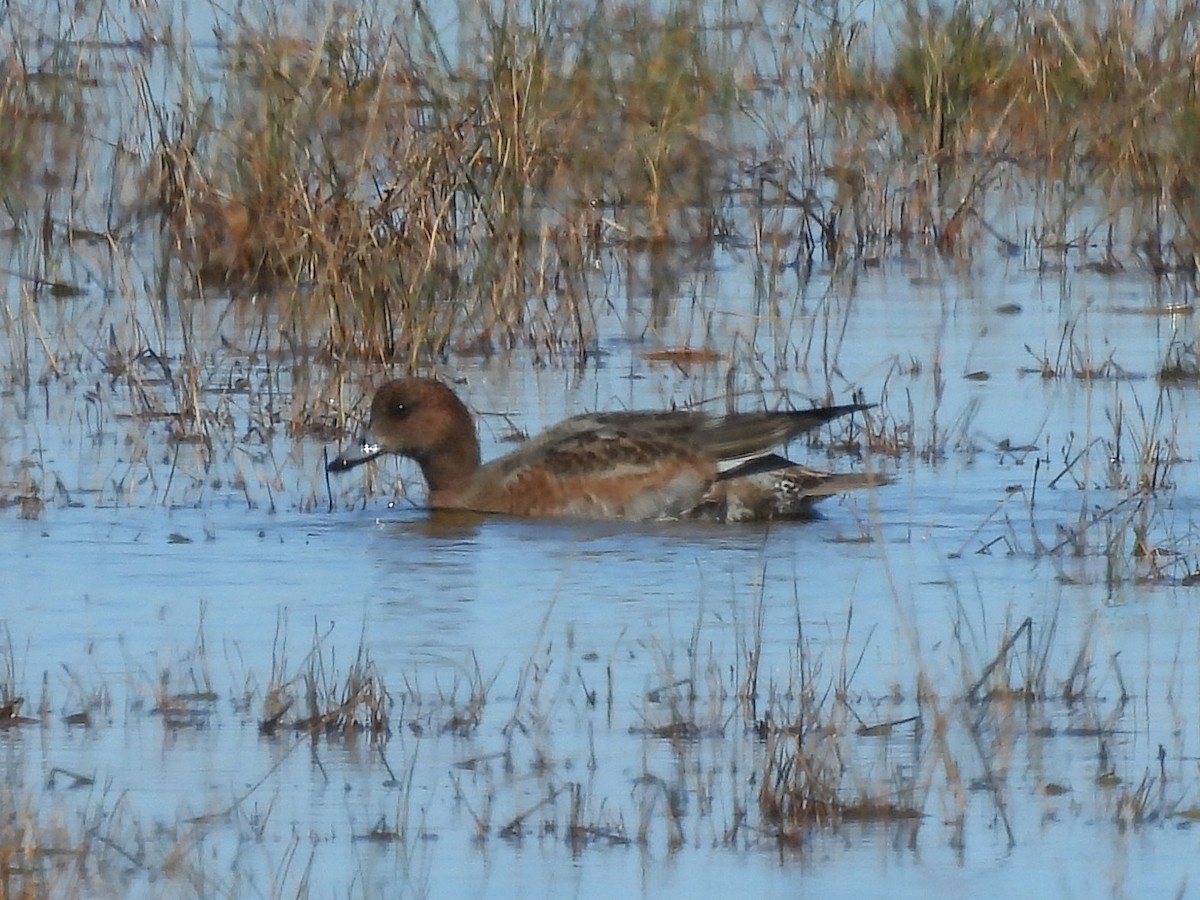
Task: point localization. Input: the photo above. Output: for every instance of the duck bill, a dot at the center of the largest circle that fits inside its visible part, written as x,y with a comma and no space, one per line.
366,451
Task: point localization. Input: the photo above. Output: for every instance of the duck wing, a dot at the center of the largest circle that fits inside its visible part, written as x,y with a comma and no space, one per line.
743,435
727,437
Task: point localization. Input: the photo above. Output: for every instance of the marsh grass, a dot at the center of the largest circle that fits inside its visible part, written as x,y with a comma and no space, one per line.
400,195
1181,366
1092,102
1124,479
813,763
366,194
312,196
418,203
731,753
322,701
375,190
11,700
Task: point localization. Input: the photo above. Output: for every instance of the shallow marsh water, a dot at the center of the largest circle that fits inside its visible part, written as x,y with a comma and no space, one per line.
590,639
569,700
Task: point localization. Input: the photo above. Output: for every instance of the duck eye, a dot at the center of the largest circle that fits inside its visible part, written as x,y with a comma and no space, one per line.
401,410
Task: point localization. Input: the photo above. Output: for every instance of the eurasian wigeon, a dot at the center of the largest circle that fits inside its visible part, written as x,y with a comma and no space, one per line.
616,465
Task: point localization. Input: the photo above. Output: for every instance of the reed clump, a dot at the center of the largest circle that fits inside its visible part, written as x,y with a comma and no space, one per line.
811,740
321,701
1093,107
401,189
401,202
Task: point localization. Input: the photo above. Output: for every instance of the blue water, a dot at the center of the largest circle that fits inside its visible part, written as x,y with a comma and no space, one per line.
186,571
209,552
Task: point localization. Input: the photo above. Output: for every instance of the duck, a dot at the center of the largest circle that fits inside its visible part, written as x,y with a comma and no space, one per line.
633,465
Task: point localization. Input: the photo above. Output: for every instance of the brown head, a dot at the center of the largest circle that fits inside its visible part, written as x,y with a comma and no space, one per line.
422,419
